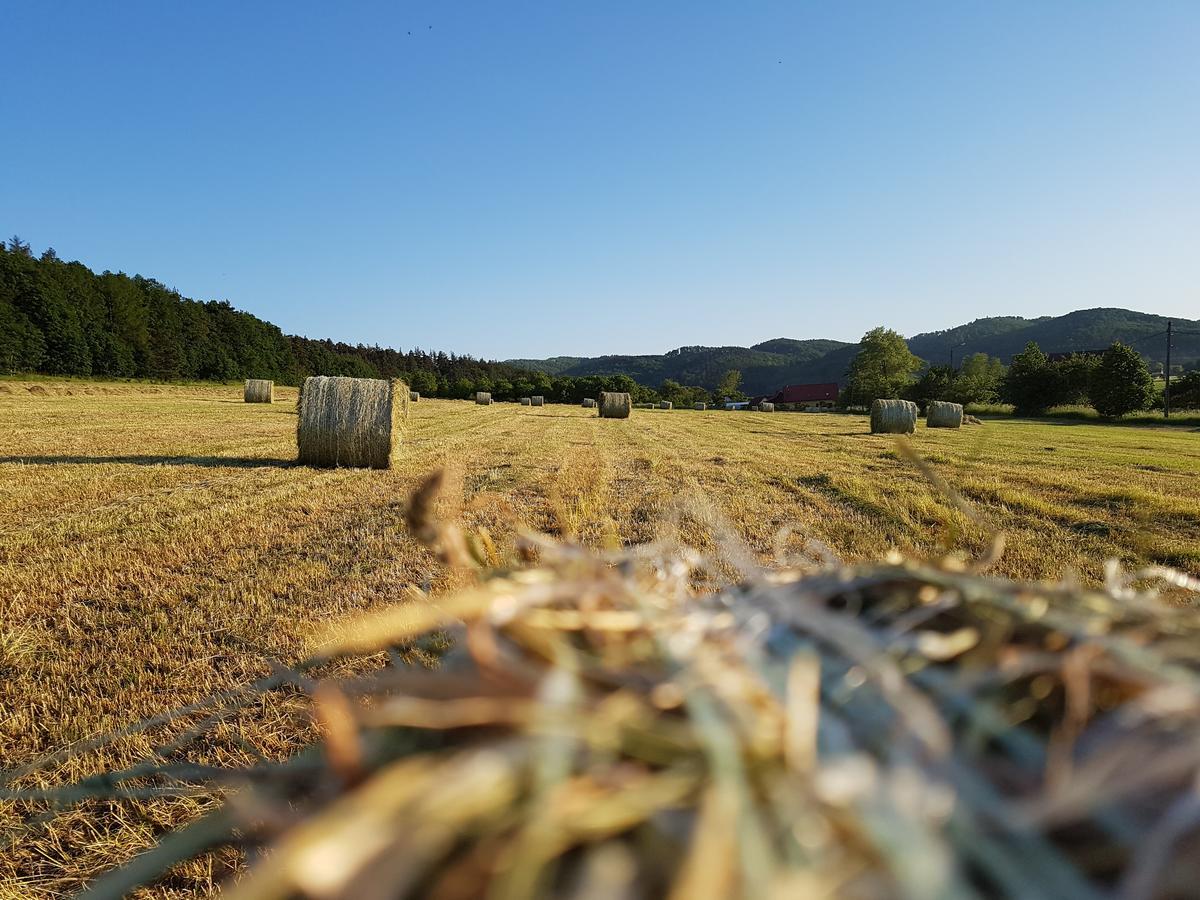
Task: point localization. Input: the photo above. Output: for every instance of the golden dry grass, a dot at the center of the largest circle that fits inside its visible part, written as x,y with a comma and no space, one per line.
157,544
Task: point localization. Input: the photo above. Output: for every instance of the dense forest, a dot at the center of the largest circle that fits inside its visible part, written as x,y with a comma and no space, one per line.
60,318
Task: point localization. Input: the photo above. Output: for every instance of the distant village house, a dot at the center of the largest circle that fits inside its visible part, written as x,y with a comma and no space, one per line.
808,397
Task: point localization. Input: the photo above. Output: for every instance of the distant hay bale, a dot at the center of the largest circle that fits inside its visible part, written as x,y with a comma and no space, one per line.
350,421
483,398
700,407
893,417
537,401
413,396
665,404
525,401
766,407
972,420
944,415
615,405
259,390
588,403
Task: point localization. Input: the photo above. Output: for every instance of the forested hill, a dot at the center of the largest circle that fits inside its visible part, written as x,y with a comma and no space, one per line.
60,318
768,366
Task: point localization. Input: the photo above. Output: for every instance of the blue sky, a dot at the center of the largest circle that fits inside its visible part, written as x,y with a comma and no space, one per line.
529,179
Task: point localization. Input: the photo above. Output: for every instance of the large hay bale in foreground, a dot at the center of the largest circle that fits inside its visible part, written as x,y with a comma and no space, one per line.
941,414
615,405
350,421
483,398
537,401
259,390
600,726
588,403
893,417
525,401
766,407
665,404
700,407
413,397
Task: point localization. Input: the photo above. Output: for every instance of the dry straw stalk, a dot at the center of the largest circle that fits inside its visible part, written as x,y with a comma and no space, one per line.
259,390
352,422
597,727
615,405
941,414
893,417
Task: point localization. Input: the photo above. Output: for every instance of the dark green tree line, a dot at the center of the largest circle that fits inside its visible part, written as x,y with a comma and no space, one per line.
60,318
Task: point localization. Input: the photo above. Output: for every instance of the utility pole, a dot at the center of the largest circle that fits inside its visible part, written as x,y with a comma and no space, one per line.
1167,383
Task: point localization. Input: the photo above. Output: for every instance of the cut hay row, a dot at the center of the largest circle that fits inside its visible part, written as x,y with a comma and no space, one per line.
941,414
350,421
259,390
615,405
483,398
597,728
537,401
893,417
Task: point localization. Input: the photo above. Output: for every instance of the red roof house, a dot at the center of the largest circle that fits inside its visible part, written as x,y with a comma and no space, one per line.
808,394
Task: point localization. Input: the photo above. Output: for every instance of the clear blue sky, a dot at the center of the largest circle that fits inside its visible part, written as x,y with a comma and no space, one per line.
528,179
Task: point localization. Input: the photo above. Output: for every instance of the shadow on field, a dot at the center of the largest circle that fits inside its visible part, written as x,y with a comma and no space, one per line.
213,462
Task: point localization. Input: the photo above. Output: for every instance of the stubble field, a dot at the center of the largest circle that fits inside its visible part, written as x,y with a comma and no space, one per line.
157,544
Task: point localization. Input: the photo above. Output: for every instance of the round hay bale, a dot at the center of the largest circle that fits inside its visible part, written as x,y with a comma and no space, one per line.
893,417
665,404
766,407
483,398
259,390
525,401
350,421
588,403
537,401
413,396
700,407
943,415
615,405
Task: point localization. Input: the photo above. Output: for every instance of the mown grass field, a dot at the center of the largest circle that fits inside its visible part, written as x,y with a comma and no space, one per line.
157,544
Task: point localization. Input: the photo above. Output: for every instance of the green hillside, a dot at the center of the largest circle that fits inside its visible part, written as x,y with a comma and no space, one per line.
771,364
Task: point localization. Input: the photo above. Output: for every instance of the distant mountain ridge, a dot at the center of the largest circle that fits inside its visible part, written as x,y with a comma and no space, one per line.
771,364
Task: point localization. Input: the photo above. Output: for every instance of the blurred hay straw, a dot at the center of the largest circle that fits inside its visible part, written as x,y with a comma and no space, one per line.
597,727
